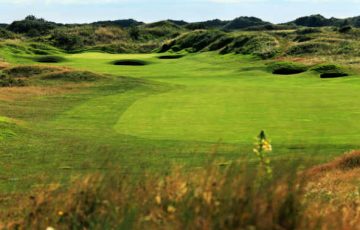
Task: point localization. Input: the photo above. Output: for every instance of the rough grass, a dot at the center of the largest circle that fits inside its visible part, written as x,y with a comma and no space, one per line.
73,76
218,197
28,71
346,162
8,81
7,128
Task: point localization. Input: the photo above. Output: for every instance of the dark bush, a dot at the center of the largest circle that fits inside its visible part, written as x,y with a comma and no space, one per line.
67,41
32,26
345,29
308,31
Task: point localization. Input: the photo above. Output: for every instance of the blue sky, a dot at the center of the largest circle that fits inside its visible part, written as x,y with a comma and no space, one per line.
276,11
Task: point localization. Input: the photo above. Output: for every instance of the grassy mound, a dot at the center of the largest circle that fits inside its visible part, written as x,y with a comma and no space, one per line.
287,68
130,62
193,42
73,76
346,162
26,71
309,48
261,45
50,59
178,56
330,71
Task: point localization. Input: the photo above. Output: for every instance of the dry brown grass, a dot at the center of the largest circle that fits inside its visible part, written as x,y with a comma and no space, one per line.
18,93
4,65
209,198
347,162
332,194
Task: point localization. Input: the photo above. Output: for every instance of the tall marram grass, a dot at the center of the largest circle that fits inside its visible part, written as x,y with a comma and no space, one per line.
234,196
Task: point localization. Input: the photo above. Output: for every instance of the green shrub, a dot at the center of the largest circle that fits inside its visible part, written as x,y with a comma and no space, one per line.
308,31
32,26
67,40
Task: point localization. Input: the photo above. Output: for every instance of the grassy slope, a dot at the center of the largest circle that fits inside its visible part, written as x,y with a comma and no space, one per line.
176,115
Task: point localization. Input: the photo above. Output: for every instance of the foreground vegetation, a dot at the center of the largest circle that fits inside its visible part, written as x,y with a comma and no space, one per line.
90,138
216,197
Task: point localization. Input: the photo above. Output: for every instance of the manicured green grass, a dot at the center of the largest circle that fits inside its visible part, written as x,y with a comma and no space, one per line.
175,111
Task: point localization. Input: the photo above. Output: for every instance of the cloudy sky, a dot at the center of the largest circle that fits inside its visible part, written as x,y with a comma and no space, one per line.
70,11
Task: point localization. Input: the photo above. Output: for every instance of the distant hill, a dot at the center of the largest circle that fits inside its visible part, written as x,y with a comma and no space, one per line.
318,20
3,25
245,22
178,22
211,24
125,23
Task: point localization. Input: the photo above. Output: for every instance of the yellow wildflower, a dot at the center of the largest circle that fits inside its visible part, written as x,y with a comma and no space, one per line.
158,199
171,209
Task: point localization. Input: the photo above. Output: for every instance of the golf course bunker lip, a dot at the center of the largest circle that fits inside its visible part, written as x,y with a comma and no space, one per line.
285,71
130,62
49,59
333,75
170,57
287,68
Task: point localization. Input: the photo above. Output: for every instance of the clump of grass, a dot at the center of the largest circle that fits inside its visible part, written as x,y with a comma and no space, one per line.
287,68
129,62
73,76
50,59
27,71
7,81
330,71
